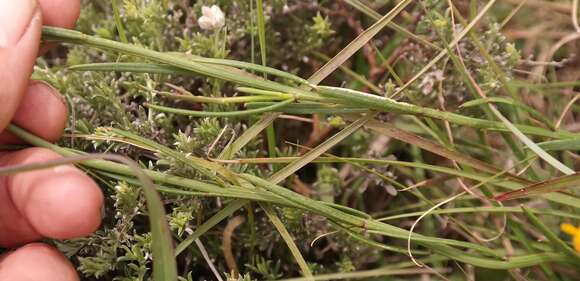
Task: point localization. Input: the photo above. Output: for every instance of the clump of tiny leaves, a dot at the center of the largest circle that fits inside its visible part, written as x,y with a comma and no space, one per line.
383,173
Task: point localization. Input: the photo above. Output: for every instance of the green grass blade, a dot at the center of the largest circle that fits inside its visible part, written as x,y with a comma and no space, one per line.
228,210
311,108
271,108
319,150
376,16
558,244
248,135
366,274
534,113
164,264
532,145
130,67
352,97
297,201
248,66
167,69
519,234
270,132
500,210
561,145
356,44
261,22
221,72
226,100
443,52
118,22
288,239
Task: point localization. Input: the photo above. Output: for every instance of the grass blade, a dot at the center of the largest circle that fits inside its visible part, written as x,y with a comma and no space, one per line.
261,21
553,185
288,239
356,44
248,136
311,108
249,112
376,16
321,149
228,210
534,113
118,22
558,244
439,245
167,69
365,274
270,132
164,264
433,147
452,44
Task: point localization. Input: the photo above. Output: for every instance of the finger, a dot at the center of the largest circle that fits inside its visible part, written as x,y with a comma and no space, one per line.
20,23
59,13
42,112
60,202
36,262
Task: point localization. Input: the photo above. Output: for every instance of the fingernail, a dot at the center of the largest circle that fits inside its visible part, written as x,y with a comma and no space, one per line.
15,17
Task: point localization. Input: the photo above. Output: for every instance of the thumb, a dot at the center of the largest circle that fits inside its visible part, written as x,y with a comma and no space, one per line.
20,26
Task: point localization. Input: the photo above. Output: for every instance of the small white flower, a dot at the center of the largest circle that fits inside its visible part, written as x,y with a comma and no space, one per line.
429,81
212,18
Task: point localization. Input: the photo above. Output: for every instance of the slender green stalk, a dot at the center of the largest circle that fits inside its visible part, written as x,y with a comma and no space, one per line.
271,139
557,243
164,265
389,105
219,114
261,30
519,234
312,108
367,274
280,194
321,149
168,69
226,100
444,52
270,132
357,44
118,22
229,74
484,210
271,213
534,113
393,25
437,244
346,96
213,221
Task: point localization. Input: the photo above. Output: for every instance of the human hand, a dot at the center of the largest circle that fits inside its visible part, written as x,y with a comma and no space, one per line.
60,202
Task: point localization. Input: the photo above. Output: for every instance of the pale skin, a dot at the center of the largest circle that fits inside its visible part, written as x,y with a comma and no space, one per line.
57,203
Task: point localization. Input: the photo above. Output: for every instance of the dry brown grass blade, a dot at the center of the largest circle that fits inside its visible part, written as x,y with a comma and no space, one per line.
227,244
440,150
